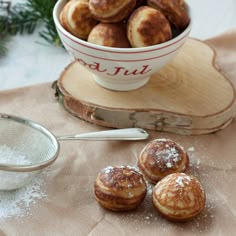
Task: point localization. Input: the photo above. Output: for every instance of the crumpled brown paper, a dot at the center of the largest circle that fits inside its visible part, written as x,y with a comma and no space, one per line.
70,207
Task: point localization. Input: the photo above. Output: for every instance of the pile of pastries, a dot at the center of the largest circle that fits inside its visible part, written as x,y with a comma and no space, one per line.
176,195
125,23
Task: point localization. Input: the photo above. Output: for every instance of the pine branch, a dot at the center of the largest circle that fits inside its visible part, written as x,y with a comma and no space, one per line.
45,9
3,49
4,10
25,17
22,19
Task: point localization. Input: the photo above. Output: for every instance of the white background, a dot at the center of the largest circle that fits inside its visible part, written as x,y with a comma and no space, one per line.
30,60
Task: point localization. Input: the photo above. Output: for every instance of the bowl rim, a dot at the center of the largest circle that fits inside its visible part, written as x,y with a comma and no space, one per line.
89,45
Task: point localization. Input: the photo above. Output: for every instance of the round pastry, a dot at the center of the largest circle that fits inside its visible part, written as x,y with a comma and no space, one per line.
111,35
111,11
179,197
77,19
160,158
120,188
148,26
174,10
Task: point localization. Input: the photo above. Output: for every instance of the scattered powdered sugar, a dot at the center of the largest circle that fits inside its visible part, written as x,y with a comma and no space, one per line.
179,181
169,165
130,194
149,188
13,180
17,203
147,215
191,149
182,180
108,169
165,154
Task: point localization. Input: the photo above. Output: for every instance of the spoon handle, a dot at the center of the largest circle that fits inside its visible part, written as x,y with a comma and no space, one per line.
115,134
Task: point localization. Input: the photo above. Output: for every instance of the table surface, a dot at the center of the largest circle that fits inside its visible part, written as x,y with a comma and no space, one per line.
30,60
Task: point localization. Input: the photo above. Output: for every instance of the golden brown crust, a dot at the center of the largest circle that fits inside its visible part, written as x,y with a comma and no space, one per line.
77,18
174,10
119,188
148,26
63,17
160,158
111,11
111,35
179,197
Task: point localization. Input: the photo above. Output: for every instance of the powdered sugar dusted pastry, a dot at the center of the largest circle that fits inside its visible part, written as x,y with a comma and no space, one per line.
111,35
174,10
77,19
160,158
179,197
119,188
111,11
148,26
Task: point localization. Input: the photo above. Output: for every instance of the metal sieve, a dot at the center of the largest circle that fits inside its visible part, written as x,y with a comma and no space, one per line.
41,147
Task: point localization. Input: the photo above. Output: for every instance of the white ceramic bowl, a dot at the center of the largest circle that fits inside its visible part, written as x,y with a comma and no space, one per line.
121,69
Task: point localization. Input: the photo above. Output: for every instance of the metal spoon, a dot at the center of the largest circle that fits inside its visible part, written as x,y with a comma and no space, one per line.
115,134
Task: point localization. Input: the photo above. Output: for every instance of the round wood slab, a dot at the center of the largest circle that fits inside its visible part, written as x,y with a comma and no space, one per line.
188,96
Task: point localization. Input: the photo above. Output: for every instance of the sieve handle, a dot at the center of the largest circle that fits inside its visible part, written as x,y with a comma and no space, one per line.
115,134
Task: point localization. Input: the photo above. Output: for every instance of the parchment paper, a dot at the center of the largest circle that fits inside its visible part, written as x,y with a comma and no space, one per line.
70,207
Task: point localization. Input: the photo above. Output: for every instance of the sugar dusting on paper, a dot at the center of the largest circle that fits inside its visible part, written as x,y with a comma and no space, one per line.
18,203
150,217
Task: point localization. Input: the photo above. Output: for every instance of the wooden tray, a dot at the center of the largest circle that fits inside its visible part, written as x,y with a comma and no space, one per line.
188,96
